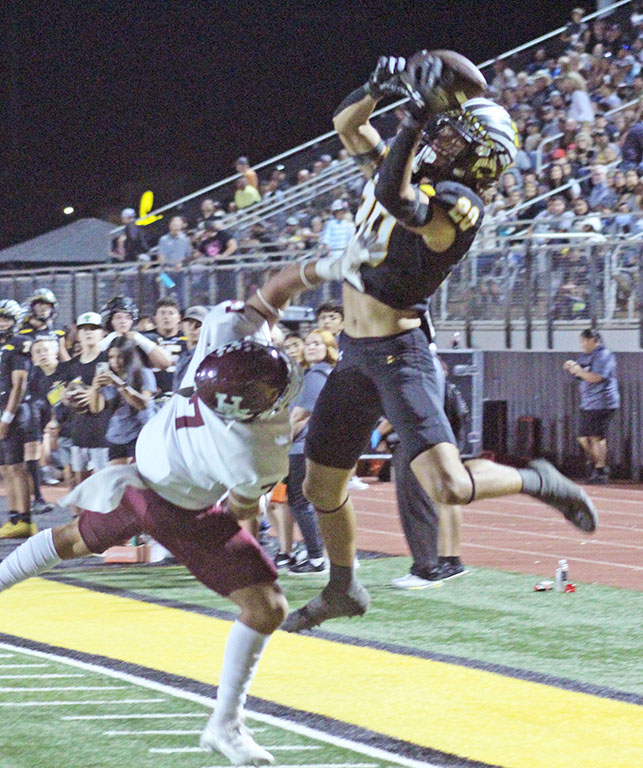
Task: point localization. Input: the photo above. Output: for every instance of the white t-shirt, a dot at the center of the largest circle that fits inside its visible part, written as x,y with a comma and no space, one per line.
190,456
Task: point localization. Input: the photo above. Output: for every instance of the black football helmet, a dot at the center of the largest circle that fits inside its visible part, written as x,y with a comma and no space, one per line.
473,145
247,380
118,304
46,296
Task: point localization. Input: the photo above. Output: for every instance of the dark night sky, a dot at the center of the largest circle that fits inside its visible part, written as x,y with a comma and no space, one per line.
108,99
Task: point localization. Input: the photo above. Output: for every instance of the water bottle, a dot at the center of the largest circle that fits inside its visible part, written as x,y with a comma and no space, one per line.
455,343
562,574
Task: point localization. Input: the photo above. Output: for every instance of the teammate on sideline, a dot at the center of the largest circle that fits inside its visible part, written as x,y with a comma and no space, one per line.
410,234
202,464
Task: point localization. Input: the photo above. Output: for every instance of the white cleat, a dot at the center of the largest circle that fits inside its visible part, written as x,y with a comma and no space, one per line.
233,740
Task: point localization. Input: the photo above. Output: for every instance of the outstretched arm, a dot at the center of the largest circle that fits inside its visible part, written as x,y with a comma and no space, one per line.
352,118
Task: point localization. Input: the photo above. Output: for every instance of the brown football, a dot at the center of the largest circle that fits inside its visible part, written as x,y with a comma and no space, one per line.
469,81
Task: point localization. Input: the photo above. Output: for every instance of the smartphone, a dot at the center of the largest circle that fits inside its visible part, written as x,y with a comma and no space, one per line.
102,367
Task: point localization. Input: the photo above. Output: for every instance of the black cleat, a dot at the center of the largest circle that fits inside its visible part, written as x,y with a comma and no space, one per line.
567,497
330,604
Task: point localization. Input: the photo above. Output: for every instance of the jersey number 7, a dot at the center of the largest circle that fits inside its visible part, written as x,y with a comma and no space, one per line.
190,421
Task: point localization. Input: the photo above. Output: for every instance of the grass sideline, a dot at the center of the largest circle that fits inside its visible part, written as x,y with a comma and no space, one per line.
591,636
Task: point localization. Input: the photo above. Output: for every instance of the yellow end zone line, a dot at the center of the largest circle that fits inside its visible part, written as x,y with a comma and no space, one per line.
468,712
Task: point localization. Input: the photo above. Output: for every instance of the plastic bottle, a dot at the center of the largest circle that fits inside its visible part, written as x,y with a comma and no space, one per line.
455,343
562,575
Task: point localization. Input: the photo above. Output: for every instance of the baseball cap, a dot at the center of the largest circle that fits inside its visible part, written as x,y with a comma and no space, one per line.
198,312
89,318
243,160
45,336
128,212
337,205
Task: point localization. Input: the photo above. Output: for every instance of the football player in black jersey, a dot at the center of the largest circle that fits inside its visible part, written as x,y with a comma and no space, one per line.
41,313
420,211
15,421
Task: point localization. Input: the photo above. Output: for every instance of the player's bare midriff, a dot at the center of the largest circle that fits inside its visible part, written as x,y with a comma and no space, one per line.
366,317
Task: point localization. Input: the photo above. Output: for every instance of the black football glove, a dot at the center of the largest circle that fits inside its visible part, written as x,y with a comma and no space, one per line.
427,83
385,78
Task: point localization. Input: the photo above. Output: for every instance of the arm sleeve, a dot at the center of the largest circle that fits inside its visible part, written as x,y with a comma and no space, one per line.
603,364
413,213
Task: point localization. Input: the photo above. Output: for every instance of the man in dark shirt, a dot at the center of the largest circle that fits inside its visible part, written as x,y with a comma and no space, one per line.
420,211
129,244
86,430
193,318
169,338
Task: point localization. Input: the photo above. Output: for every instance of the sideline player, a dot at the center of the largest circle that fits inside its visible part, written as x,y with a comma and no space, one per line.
42,310
419,214
202,464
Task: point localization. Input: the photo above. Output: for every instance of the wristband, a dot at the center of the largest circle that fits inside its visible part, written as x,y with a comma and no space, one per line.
275,312
147,345
103,344
7,417
303,278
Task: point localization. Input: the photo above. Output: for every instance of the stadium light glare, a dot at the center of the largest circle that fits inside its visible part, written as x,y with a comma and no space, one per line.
68,210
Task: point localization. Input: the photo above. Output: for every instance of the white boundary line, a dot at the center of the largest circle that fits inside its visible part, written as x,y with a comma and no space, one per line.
277,722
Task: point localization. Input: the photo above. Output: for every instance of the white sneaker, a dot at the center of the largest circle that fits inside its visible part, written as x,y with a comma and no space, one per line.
233,740
355,484
411,581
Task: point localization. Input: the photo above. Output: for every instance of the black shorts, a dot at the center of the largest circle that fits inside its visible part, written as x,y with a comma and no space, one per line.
392,375
21,431
122,450
595,423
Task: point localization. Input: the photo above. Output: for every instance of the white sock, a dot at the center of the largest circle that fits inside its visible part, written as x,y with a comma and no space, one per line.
243,650
32,557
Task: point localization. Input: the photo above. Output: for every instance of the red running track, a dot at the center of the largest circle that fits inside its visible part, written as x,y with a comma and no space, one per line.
518,533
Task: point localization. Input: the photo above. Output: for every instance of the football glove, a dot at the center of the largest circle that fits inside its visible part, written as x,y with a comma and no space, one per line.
345,267
426,82
385,78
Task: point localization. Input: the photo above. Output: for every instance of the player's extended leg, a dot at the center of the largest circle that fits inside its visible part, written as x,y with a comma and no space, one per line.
263,608
446,479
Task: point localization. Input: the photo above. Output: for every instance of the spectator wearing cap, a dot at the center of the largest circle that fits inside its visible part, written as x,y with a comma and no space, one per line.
338,230
129,244
243,167
88,449
217,242
191,324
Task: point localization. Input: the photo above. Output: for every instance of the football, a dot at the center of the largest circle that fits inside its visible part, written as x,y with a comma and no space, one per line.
467,80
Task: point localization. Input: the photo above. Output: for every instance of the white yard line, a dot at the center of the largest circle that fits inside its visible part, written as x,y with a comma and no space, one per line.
277,722
13,689
77,703
20,666
152,716
41,675
150,733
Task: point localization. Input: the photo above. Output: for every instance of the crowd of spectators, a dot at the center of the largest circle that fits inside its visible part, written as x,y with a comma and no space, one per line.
577,104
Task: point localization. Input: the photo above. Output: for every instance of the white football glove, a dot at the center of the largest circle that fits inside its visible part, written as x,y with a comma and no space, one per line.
346,266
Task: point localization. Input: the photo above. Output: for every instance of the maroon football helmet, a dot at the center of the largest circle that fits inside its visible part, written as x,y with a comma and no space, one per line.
246,380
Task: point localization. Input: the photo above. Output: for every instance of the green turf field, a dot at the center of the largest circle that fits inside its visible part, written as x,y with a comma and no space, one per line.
591,636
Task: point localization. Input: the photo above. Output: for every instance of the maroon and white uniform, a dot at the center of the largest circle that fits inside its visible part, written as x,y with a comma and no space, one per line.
187,458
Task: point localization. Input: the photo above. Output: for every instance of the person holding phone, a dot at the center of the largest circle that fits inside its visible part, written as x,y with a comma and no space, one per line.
125,390
88,445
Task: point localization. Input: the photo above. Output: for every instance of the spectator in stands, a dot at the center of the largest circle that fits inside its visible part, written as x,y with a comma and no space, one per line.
599,400
577,28
191,323
585,152
542,88
294,347
125,390
168,336
632,149
338,230
243,167
599,195
580,107
606,151
320,355
246,194
217,242
174,250
209,207
129,244
89,451
504,77
330,317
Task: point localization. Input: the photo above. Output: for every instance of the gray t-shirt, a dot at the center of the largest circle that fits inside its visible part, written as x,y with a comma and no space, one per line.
314,381
126,422
604,394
